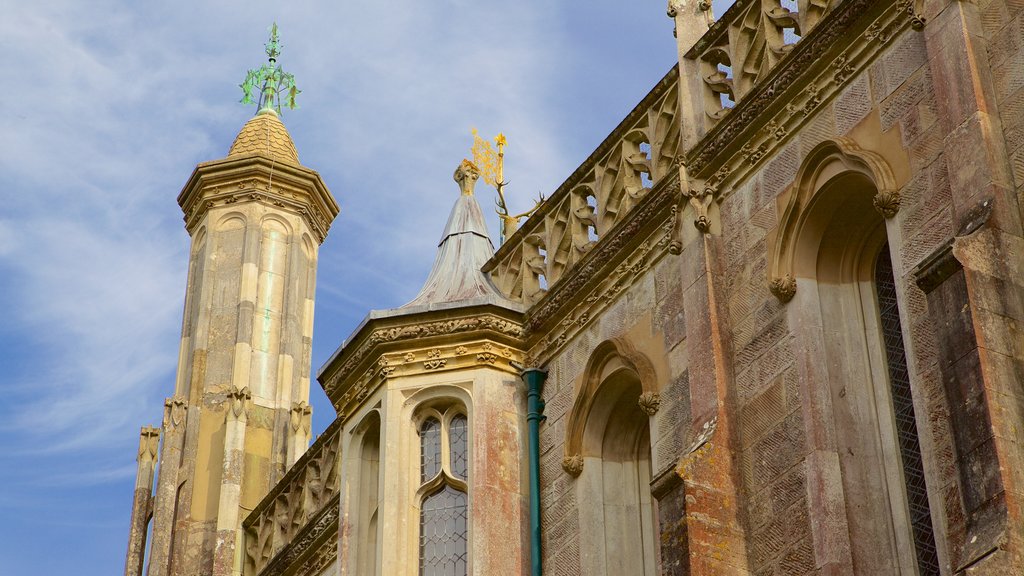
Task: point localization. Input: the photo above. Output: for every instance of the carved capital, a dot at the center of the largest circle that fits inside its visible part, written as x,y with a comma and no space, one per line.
573,465
174,412
887,202
783,288
300,417
649,402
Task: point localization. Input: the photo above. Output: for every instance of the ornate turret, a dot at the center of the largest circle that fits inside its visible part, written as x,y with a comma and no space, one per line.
441,368
239,416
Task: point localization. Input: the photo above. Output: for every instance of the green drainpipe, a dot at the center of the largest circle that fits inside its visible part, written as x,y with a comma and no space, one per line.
534,378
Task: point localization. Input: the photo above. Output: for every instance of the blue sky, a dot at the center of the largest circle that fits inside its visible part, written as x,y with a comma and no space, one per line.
111,104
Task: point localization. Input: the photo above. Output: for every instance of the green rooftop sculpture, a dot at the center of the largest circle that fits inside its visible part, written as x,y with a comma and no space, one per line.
271,86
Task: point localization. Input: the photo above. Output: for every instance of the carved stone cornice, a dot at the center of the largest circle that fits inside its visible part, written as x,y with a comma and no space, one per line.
818,68
626,253
461,356
430,341
311,546
256,178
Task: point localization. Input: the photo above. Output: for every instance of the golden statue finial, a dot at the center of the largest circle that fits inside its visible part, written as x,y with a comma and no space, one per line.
492,169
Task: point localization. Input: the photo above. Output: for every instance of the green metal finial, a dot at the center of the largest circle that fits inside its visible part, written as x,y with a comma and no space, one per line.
270,82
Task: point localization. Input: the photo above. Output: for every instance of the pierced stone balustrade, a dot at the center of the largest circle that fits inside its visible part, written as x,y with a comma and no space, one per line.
295,506
745,44
638,154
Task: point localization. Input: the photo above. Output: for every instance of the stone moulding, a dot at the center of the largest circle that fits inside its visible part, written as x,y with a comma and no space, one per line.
783,288
937,268
467,354
837,156
887,202
601,288
817,60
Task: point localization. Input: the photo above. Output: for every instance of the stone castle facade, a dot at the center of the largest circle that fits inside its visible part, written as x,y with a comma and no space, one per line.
772,325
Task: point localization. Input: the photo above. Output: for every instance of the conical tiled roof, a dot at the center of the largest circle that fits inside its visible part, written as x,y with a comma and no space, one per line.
266,135
462,252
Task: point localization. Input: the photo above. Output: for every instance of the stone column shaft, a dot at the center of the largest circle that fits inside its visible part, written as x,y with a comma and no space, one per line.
142,504
228,517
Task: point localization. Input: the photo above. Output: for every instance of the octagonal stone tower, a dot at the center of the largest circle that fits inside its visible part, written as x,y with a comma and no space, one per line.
240,415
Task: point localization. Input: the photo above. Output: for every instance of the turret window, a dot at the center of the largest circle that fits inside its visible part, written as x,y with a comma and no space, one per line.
444,508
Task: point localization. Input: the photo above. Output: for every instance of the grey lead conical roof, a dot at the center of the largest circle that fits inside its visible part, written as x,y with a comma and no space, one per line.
462,252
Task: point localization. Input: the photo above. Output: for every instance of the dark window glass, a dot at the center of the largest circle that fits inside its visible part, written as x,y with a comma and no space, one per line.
906,423
430,449
443,531
457,436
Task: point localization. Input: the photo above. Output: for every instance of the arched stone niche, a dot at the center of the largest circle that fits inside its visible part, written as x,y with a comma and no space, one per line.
612,357
832,159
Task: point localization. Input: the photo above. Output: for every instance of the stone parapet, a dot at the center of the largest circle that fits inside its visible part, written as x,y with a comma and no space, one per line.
306,492
635,158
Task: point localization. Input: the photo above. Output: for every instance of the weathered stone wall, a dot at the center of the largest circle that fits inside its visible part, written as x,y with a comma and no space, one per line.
922,101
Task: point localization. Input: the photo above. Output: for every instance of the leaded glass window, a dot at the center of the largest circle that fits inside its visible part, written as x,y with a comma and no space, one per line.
457,437
906,422
430,449
444,508
443,531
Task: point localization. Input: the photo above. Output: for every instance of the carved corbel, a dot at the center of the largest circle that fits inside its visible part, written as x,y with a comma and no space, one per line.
887,202
149,442
300,417
783,288
909,7
649,402
174,412
573,465
238,402
701,195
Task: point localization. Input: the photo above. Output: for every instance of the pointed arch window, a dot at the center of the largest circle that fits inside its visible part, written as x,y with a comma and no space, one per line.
444,503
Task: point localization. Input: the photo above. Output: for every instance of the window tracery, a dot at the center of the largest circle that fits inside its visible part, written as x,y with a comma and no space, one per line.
443,493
